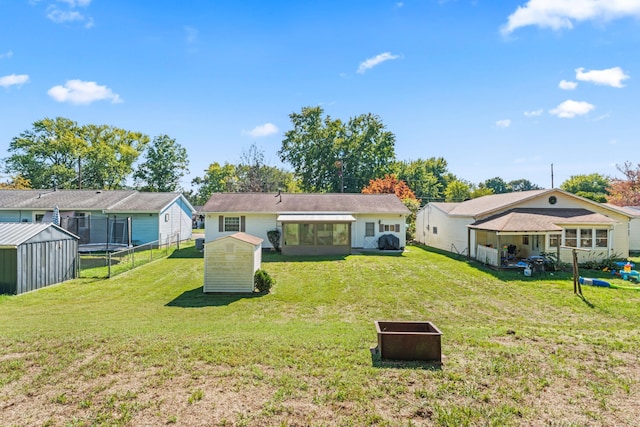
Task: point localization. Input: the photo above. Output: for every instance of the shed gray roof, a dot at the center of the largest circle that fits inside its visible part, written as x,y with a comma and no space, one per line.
539,220
106,200
302,202
13,234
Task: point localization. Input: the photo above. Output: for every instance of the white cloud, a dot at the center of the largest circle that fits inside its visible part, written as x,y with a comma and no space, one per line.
81,92
262,130
7,55
61,16
76,3
609,77
503,123
69,13
569,109
534,113
376,60
558,14
566,85
14,80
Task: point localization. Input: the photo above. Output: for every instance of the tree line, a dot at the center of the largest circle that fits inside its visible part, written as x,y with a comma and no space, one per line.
324,154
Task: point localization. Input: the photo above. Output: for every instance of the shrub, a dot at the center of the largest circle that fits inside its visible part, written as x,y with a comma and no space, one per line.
274,238
263,281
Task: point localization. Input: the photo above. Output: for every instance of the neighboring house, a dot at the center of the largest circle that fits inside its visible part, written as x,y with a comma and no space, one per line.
104,216
634,226
310,224
524,224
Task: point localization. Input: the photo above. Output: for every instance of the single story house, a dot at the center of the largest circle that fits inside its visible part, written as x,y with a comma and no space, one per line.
310,224
499,227
35,255
104,216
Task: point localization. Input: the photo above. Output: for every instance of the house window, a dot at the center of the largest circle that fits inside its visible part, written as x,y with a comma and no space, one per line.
231,223
290,233
586,238
320,234
571,237
554,240
602,239
435,230
38,217
341,234
525,240
369,229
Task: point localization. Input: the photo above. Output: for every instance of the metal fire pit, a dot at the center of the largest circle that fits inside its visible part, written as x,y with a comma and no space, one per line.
409,341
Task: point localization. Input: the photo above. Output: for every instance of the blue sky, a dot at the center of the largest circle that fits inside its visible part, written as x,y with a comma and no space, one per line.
498,88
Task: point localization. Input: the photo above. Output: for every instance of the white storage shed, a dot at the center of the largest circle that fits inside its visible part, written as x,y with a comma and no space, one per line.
230,263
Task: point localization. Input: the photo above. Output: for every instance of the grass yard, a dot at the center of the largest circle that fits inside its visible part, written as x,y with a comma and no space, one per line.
148,348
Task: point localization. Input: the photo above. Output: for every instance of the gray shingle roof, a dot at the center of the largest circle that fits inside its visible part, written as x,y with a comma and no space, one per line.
107,200
299,202
543,219
486,204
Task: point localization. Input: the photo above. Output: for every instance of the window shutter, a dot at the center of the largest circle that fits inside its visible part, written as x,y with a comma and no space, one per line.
243,222
381,228
220,223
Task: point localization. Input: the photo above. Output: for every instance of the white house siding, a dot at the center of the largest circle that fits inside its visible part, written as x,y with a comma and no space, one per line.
230,265
255,224
437,229
358,228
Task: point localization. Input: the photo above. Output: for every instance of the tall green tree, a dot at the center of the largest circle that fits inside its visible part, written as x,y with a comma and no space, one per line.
428,178
58,152
328,155
48,154
166,162
111,155
457,191
523,185
217,179
254,175
497,185
592,186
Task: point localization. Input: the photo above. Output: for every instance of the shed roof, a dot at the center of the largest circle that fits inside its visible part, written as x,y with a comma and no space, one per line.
104,200
347,203
243,237
539,220
13,234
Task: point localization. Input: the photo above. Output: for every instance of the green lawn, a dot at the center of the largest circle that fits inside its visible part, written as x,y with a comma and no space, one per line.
148,348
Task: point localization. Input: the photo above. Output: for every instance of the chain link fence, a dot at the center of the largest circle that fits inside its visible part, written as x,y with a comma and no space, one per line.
109,264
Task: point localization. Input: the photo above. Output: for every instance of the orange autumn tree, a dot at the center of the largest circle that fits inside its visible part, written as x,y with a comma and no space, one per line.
390,184
625,192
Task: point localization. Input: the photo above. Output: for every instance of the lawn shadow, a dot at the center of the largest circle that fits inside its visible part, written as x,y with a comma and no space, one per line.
188,252
196,298
278,257
586,301
378,362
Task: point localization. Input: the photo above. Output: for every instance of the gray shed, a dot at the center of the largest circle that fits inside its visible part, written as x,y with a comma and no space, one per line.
35,255
230,263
